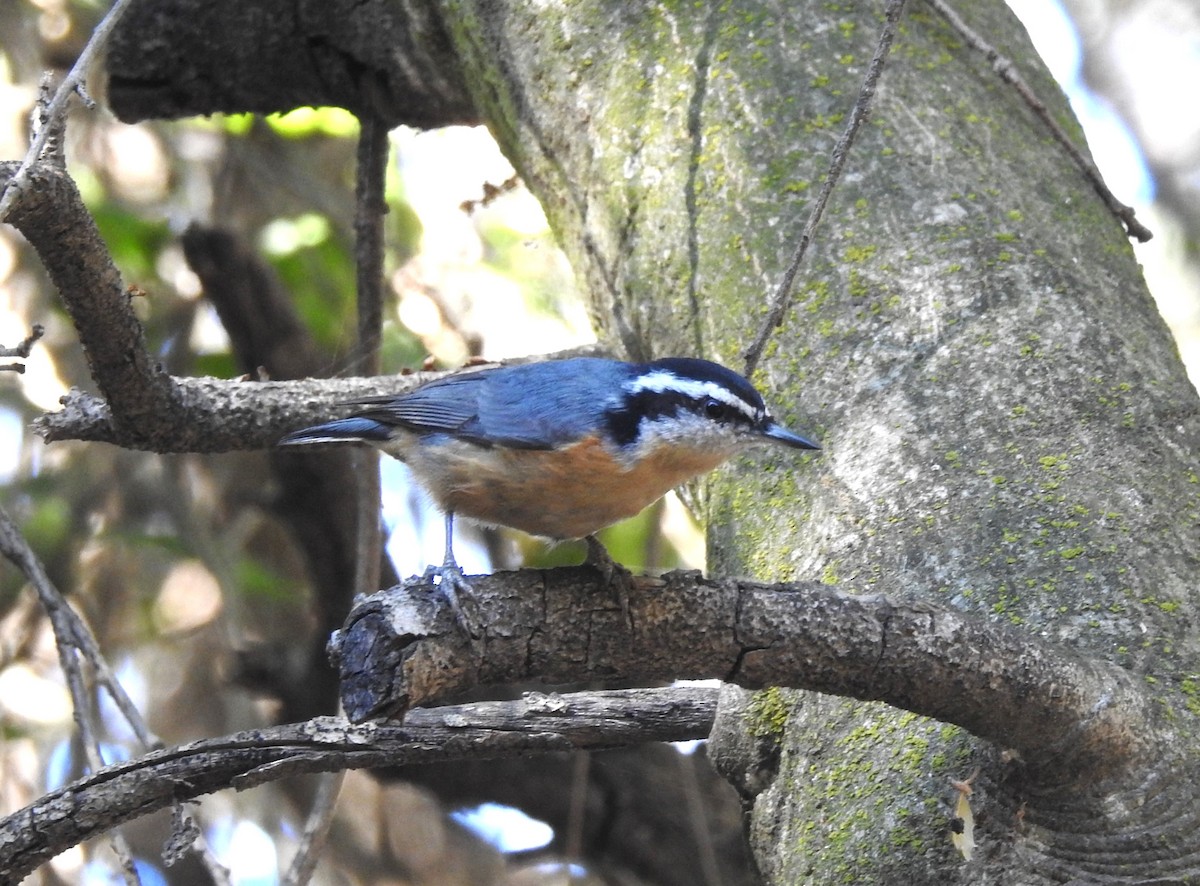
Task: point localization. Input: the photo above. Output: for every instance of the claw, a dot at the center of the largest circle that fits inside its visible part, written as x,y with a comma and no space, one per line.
614,574
452,581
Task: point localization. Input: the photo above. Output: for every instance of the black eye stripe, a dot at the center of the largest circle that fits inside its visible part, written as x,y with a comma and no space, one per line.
624,422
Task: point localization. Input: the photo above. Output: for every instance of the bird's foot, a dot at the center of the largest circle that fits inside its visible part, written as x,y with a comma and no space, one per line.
614,574
452,582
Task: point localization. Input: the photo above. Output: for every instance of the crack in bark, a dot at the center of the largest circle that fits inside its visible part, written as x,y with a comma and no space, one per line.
884,626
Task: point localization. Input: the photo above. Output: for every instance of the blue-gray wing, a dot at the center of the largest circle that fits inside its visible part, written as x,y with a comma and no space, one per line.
445,405
532,406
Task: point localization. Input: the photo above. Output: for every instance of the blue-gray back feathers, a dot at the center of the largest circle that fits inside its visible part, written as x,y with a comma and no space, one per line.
531,406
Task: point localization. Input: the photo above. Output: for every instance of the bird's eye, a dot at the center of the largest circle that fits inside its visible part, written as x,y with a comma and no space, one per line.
715,409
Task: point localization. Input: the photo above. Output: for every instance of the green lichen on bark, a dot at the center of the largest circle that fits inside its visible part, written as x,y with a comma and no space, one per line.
1005,420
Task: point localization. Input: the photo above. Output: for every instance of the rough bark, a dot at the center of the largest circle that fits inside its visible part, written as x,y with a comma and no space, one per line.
1004,414
223,415
51,215
1074,722
382,59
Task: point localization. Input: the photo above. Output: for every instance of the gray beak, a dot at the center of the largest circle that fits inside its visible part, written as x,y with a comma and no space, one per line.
780,434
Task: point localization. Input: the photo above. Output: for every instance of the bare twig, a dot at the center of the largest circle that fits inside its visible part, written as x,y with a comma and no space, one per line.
783,294
370,209
83,707
69,630
22,350
1007,72
74,643
49,118
26,346
535,723
316,830
491,193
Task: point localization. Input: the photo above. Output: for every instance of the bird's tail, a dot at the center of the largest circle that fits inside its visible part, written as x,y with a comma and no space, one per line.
343,430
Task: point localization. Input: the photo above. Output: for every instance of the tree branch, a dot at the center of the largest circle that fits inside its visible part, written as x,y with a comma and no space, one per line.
51,117
534,724
1067,717
22,350
76,651
142,406
221,415
370,209
76,645
1008,72
53,218
372,57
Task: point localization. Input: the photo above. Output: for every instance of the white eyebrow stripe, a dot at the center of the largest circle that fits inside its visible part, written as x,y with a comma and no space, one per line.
661,381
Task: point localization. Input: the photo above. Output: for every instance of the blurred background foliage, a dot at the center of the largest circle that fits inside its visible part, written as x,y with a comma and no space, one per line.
180,563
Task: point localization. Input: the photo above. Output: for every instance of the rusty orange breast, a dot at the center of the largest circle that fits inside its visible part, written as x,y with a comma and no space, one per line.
563,493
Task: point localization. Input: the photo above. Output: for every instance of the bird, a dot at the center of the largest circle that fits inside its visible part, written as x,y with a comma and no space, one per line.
559,448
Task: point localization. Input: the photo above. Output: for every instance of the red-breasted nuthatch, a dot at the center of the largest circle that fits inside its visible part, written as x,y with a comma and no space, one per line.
561,448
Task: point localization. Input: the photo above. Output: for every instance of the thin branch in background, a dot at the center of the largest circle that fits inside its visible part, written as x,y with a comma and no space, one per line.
581,763
22,350
702,832
1007,72
316,830
491,192
782,298
86,721
370,209
75,645
69,630
71,658
70,633
534,723
50,118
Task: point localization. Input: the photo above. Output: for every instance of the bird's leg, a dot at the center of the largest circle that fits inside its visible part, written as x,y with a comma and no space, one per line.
452,579
614,574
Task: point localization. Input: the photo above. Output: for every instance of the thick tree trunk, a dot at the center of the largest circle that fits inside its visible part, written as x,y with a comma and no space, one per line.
1004,413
